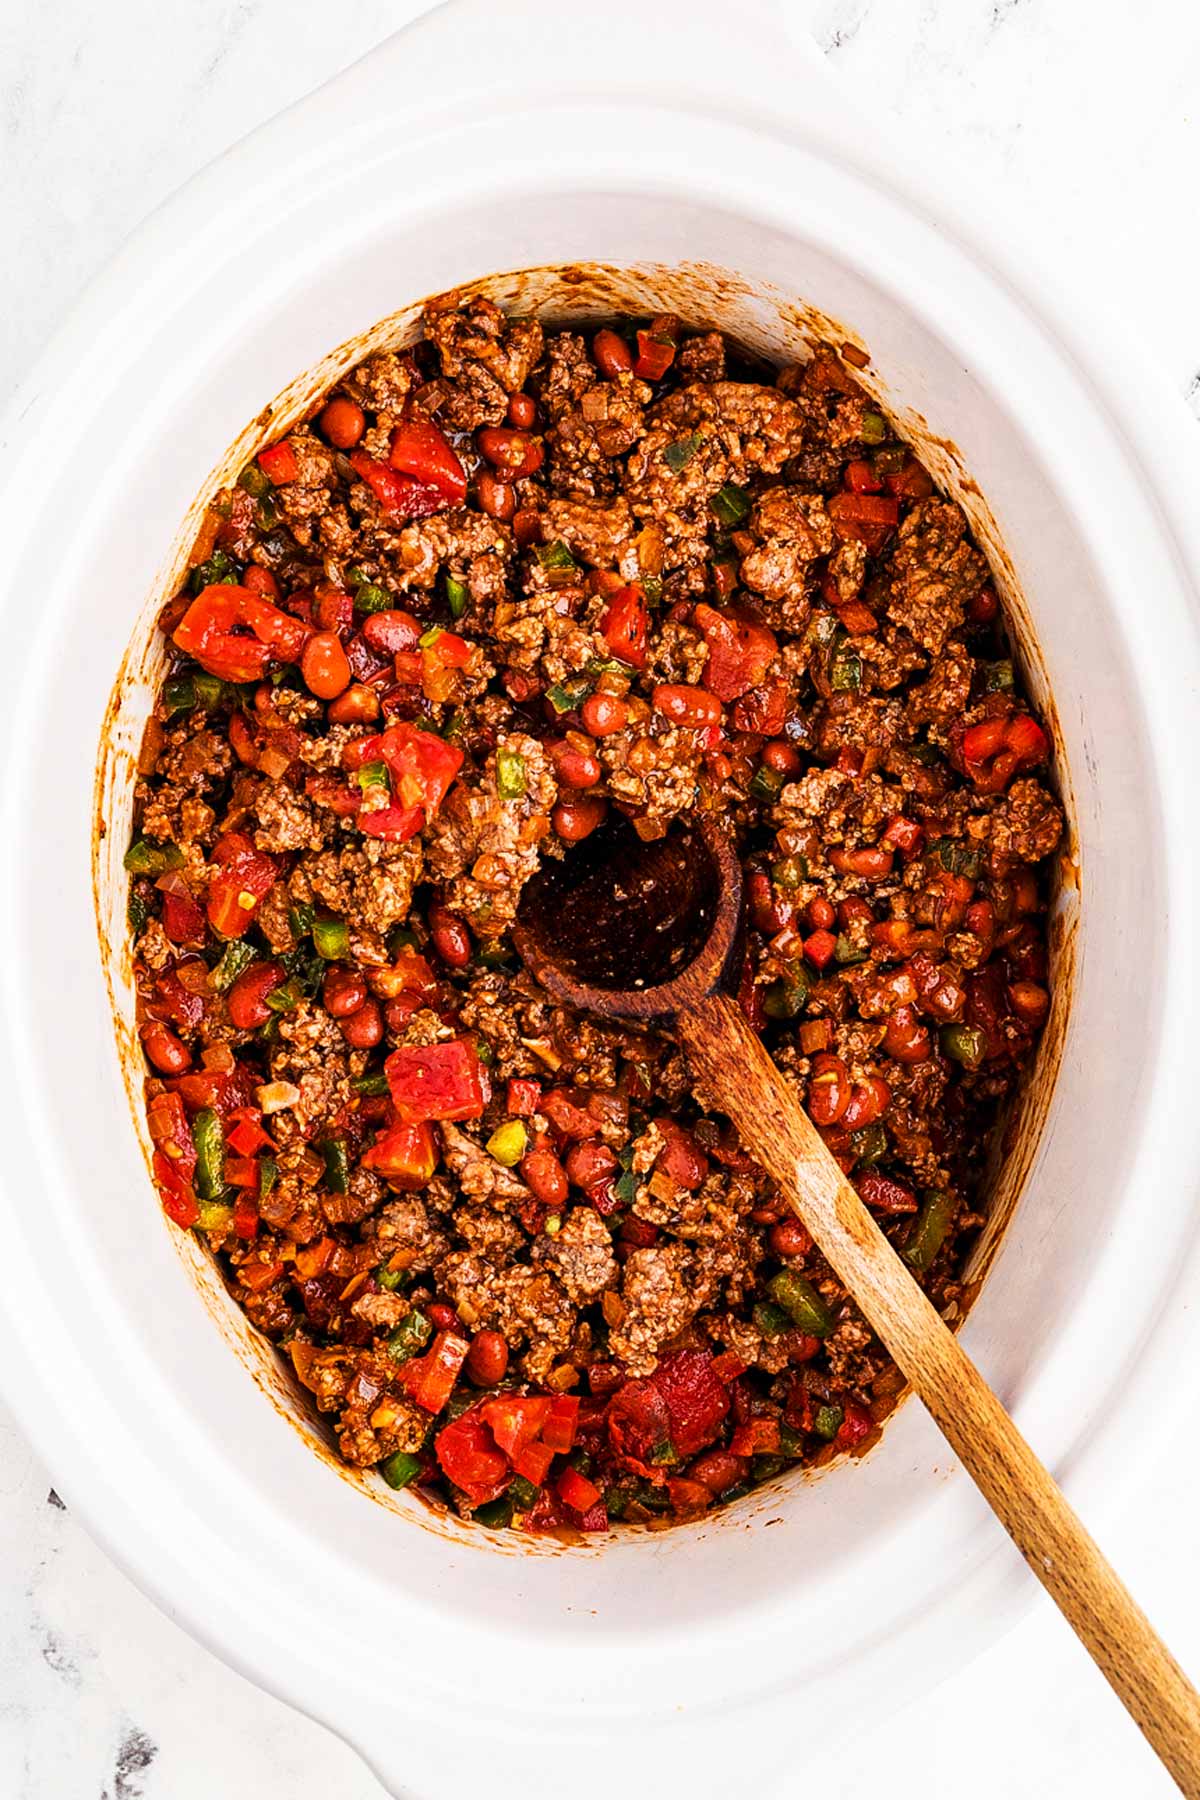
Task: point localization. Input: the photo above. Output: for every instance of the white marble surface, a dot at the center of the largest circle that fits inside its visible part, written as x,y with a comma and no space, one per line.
1090,113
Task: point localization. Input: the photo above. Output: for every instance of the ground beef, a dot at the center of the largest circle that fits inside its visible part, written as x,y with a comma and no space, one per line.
935,571
426,1155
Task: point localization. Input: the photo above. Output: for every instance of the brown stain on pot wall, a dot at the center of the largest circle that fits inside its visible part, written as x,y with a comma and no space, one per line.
767,324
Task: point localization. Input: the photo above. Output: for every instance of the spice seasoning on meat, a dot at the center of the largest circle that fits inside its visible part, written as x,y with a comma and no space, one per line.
499,583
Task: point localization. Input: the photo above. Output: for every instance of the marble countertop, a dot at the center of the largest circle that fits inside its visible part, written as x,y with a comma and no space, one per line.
1091,116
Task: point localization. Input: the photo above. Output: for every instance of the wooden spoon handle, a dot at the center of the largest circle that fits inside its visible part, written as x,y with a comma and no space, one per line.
737,1076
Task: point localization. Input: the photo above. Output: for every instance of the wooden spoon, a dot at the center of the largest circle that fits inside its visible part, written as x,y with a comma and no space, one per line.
649,933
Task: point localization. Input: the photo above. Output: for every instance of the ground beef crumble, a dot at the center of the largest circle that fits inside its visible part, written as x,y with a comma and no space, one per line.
497,585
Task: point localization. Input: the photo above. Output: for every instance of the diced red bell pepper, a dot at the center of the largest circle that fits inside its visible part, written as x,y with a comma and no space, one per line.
559,1429
279,463
419,449
523,1097
576,1491
422,765
655,356
568,1118
436,1081
515,1419
764,710
430,1379
259,1276
626,624
759,1436
241,1171
469,1458
728,1366
688,1497
405,1155
740,651
246,1136
244,875
819,947
245,1217
867,517
912,482
533,1462
856,1424
402,495
861,478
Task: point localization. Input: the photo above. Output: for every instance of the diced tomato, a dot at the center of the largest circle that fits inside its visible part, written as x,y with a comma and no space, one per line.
560,1427
625,625
469,1458
419,449
208,632
696,1399
261,581
764,710
178,1201
182,918
396,823
241,1171
405,1155
283,635
171,1135
430,1379
533,1462
516,1419
402,495
279,463
740,651
576,1491
244,875
669,1416
177,1002
436,1081
422,765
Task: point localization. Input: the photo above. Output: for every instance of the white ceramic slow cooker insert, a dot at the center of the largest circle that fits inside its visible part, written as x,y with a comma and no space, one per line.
476,142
